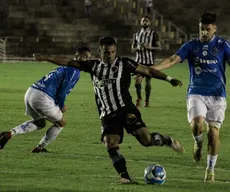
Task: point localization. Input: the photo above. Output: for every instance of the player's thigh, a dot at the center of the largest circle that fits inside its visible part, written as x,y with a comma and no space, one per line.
216,110
29,109
113,125
45,106
133,119
196,107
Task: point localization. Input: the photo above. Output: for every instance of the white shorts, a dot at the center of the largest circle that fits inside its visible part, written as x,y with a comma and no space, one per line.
212,108
40,105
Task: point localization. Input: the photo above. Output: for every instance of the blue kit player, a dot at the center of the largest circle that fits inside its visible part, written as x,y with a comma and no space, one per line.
207,57
45,100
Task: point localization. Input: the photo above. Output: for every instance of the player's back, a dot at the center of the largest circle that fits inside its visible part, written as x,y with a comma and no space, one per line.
52,82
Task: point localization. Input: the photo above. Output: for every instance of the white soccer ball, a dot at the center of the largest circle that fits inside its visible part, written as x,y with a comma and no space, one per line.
155,174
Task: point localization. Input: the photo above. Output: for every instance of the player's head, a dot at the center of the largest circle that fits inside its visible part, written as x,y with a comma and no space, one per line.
145,22
83,54
207,26
107,49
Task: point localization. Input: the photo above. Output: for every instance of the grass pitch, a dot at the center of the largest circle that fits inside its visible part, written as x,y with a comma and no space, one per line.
78,161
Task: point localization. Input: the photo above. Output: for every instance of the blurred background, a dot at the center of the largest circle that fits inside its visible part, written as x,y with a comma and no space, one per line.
60,26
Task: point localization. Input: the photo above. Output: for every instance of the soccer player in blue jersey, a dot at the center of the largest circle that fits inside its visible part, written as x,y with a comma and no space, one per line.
45,100
207,57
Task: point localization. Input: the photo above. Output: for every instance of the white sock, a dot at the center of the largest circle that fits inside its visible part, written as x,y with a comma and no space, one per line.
51,134
211,162
198,138
27,126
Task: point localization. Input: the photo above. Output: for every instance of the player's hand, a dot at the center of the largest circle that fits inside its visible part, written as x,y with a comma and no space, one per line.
147,46
39,57
176,82
64,109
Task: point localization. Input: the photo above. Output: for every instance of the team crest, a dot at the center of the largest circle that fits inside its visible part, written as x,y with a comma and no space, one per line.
215,51
114,69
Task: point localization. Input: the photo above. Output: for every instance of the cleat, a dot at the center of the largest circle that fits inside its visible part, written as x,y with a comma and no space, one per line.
138,102
209,176
4,138
197,151
176,146
126,181
39,150
146,104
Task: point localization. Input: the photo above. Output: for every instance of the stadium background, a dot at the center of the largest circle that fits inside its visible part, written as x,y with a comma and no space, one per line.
59,26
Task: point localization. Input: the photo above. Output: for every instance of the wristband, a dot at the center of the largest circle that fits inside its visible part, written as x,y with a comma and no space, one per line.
168,78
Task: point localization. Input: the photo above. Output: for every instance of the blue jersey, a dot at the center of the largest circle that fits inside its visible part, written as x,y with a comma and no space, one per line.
58,83
207,62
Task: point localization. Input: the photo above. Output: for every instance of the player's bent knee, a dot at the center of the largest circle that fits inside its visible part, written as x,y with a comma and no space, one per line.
61,123
40,123
111,141
197,123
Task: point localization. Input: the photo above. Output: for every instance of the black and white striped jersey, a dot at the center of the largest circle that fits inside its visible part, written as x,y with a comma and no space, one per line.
145,56
110,82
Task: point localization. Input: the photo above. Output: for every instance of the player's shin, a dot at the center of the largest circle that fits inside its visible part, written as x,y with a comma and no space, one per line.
213,148
138,90
27,126
51,134
119,162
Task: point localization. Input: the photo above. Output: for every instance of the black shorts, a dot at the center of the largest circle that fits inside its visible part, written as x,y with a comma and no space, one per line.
128,117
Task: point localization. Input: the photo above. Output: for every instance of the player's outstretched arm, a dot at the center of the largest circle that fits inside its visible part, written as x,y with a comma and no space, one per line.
58,60
167,63
151,72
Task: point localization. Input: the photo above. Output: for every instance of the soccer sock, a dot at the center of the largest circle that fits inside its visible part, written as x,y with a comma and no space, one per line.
160,140
51,134
27,126
119,162
147,92
198,138
211,162
138,90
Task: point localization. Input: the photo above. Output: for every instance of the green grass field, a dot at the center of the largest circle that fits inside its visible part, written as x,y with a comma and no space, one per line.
78,161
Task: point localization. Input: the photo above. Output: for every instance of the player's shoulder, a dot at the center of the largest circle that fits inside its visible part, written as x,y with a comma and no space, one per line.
69,70
124,59
221,41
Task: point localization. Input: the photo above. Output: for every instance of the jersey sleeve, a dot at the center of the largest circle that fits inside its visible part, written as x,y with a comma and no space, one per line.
70,79
130,64
86,65
155,39
183,52
134,40
227,51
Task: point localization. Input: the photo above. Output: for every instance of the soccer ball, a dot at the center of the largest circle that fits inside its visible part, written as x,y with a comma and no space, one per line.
155,174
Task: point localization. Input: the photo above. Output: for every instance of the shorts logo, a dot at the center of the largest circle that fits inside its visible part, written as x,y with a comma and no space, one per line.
131,118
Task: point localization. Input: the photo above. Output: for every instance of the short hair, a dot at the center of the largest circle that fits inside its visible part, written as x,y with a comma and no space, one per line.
81,50
107,41
146,16
208,18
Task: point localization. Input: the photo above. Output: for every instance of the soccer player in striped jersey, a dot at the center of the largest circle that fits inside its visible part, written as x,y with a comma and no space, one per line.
111,77
45,100
207,57
145,43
